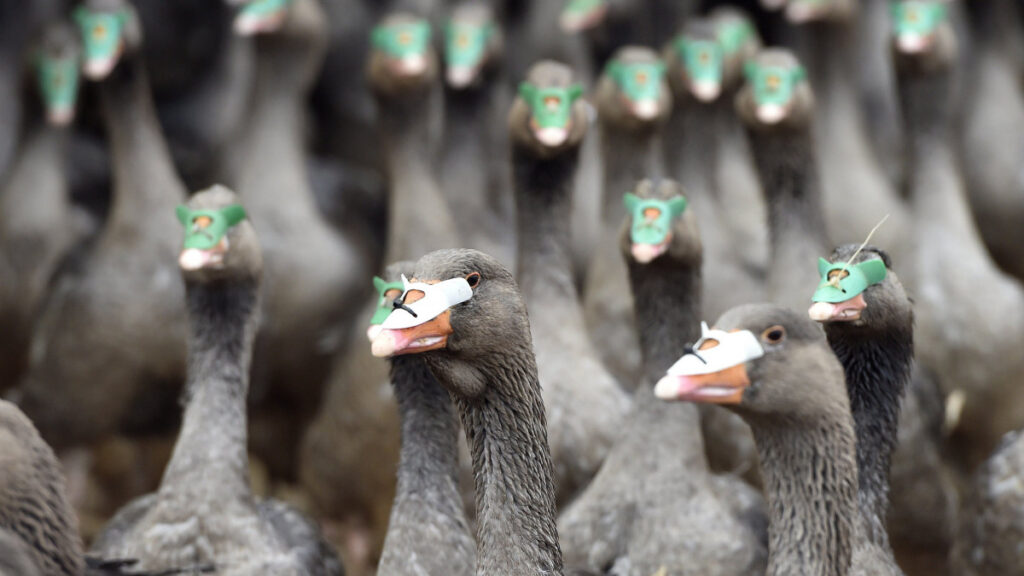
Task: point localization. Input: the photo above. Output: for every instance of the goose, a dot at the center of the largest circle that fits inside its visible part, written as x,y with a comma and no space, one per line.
38,529
473,173
312,270
773,367
204,510
473,333
624,526
633,103
359,405
776,105
428,532
877,88
856,193
868,319
988,535
36,218
125,293
990,145
970,325
585,404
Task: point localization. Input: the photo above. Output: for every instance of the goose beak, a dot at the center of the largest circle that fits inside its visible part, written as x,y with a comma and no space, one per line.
572,22
911,43
432,335
645,109
847,311
412,65
552,136
98,68
705,90
192,259
804,12
771,113
723,387
253,24
60,115
645,253
460,77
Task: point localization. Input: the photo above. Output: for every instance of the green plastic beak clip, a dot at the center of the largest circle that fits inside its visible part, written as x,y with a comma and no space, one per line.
264,8
917,18
733,35
204,229
652,217
773,84
583,6
638,81
466,44
840,282
58,81
102,32
402,40
551,107
383,308
702,58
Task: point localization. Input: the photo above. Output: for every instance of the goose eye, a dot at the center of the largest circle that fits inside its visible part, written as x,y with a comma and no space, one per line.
774,335
473,278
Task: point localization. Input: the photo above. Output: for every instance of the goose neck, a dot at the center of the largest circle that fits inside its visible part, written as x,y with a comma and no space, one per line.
543,189
877,367
515,495
428,461
627,156
144,178
810,478
828,50
211,448
697,129
666,324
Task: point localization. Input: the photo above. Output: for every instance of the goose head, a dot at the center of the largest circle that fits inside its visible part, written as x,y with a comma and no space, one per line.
109,29
472,45
57,60
922,35
707,57
633,92
463,312
806,11
760,360
387,289
549,116
776,92
736,34
659,225
860,293
402,57
580,15
220,243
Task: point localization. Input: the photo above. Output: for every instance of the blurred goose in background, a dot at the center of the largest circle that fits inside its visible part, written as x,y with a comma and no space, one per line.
633,102
204,510
970,315
474,168
108,351
311,289
37,222
776,105
991,143
584,403
856,192
679,518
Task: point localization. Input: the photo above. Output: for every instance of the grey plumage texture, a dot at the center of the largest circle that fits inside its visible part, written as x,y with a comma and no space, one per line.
654,503
204,510
584,403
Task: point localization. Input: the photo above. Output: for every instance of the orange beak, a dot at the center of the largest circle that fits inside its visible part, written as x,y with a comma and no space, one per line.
723,387
431,335
846,311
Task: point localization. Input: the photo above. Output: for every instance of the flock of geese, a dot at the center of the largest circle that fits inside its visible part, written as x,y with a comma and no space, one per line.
665,288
